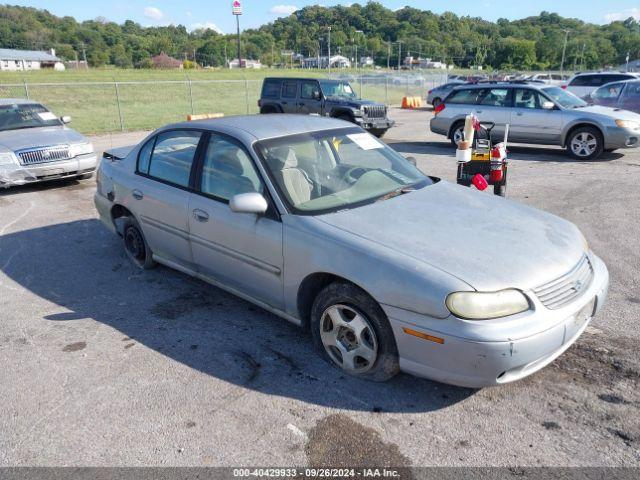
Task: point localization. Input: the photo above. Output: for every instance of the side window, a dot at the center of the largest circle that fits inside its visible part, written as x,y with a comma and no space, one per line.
290,89
463,97
632,90
309,90
227,170
580,81
526,98
497,97
173,156
144,157
271,88
609,91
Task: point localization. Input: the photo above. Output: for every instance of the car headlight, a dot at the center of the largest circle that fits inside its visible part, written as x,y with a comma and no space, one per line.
7,158
628,124
487,305
80,149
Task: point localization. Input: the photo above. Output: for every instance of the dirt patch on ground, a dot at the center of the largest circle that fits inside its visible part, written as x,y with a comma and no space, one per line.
338,441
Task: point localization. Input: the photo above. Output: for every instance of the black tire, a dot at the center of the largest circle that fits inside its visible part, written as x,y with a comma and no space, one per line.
436,101
345,116
586,132
269,109
610,150
135,245
386,365
85,176
456,126
500,190
378,132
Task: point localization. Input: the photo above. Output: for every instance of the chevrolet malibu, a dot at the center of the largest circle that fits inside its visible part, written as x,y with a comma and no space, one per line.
322,224
36,146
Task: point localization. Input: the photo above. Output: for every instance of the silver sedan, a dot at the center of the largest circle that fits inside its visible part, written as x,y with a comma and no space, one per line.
322,224
36,145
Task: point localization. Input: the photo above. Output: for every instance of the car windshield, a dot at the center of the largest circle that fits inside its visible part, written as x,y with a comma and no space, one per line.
33,115
332,170
337,89
564,98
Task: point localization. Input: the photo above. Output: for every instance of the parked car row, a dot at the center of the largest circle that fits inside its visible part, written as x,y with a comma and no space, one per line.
538,114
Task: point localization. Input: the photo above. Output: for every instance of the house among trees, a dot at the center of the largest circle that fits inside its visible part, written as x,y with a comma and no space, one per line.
165,62
337,61
14,60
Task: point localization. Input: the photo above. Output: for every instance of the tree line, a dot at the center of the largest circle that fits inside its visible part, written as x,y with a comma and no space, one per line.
533,43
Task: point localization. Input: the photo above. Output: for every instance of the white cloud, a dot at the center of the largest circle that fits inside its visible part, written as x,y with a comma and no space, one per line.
188,13
207,25
153,13
615,16
283,9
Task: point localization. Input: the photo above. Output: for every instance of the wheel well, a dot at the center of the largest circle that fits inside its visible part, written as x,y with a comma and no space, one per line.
580,125
454,125
118,211
342,113
309,289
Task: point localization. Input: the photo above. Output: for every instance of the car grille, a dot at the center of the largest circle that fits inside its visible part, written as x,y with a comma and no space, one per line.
375,111
34,156
568,287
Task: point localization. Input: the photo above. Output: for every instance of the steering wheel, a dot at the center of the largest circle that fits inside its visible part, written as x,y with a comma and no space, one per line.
353,174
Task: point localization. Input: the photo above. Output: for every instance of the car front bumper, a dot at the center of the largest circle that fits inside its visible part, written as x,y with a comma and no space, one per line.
12,175
616,137
375,123
502,356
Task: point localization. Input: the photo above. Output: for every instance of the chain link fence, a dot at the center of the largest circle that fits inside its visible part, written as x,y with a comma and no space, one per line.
102,107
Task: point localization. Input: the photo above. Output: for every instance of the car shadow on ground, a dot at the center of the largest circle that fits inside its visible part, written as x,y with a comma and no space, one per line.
81,267
516,152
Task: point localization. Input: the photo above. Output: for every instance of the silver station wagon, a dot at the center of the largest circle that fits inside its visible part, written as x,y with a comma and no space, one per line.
322,224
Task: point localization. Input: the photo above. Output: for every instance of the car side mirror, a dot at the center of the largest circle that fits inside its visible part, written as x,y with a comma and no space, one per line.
548,105
317,96
412,161
66,119
252,202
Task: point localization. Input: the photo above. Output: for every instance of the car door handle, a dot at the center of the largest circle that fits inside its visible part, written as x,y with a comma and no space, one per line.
478,111
519,114
137,194
200,215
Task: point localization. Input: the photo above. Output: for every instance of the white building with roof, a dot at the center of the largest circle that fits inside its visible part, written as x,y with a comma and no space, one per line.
15,60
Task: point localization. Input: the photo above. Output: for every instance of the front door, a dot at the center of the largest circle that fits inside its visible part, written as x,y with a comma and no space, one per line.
530,123
310,97
242,251
160,199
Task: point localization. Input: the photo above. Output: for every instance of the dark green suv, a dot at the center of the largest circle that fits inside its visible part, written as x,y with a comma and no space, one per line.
329,98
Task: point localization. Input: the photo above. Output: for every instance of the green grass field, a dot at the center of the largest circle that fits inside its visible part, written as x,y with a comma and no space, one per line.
159,97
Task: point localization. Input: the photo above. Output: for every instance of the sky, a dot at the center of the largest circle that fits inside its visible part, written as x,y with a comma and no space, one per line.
216,14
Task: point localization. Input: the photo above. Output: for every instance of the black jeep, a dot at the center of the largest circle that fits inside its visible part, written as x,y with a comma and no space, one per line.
331,98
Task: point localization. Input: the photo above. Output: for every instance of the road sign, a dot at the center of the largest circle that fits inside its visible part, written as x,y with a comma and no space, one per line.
237,7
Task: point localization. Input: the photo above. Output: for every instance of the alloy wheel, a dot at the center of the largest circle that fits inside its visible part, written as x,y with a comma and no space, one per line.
348,338
584,144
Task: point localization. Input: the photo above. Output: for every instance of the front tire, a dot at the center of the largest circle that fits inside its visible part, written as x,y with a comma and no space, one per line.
378,132
585,143
85,176
135,245
352,332
457,134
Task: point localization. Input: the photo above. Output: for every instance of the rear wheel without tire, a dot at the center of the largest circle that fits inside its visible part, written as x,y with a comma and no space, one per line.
585,143
135,245
352,332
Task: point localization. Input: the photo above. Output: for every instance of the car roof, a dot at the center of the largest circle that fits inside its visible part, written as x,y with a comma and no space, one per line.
261,127
535,86
17,101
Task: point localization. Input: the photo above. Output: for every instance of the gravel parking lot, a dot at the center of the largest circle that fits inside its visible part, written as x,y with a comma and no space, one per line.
107,365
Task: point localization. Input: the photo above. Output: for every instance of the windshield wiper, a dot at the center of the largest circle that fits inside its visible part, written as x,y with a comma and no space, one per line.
395,193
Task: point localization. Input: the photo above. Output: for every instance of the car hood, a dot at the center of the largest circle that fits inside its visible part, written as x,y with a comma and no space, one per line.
353,103
39,137
489,242
616,113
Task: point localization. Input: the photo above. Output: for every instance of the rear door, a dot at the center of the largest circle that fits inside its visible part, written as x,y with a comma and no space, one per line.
492,105
630,98
160,200
530,123
289,96
310,100
242,251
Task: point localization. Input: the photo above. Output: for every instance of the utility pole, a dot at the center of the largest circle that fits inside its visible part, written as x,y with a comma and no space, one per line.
388,54
628,55
564,51
84,56
400,42
237,11
329,51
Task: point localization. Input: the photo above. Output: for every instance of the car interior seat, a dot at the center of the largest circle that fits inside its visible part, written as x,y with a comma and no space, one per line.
223,174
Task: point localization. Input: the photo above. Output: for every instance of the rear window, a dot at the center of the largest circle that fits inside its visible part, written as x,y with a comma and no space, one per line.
271,88
597,80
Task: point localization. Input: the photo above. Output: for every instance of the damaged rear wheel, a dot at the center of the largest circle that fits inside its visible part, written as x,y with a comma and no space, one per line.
135,244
